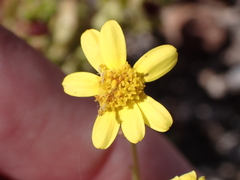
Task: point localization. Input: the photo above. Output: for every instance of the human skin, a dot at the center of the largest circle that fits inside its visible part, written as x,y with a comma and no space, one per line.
46,134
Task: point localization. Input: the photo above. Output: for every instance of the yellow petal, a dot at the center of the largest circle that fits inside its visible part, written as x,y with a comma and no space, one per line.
113,46
156,115
132,123
157,62
176,178
189,176
105,130
202,178
90,42
81,84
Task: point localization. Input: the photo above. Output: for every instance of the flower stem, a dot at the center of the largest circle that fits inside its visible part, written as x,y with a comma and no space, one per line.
135,169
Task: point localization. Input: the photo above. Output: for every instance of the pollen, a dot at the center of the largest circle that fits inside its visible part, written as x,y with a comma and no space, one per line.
117,87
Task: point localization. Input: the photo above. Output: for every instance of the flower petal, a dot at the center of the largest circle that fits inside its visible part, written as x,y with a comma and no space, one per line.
81,84
105,130
157,62
176,178
113,45
156,115
133,126
189,176
90,42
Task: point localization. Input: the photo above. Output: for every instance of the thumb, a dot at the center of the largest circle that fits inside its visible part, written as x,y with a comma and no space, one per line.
43,131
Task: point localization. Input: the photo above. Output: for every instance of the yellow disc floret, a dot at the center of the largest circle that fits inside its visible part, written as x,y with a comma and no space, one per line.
117,87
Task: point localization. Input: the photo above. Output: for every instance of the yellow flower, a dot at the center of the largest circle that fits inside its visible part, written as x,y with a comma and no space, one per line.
119,88
189,176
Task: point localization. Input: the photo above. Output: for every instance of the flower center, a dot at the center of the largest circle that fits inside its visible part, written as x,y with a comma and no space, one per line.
117,87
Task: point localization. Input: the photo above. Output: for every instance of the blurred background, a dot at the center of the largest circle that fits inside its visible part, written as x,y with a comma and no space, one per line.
202,91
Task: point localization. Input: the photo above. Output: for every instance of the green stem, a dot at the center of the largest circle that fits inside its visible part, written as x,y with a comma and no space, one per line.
135,169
